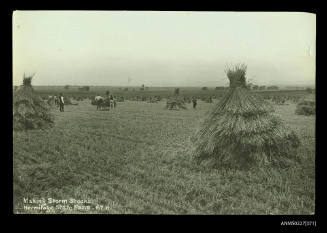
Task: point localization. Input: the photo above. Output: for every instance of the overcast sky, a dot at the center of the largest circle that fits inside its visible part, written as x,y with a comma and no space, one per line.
162,48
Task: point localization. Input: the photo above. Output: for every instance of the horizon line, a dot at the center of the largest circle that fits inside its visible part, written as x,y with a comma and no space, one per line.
209,86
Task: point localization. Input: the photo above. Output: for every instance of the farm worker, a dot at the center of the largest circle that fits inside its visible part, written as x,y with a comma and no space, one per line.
115,103
111,101
61,102
194,102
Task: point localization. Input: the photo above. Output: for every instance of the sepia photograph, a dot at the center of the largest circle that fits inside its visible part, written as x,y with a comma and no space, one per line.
164,112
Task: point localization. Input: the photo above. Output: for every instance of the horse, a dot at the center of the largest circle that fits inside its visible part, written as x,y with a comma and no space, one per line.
101,102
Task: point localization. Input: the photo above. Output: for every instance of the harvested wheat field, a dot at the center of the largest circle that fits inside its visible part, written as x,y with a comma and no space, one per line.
136,159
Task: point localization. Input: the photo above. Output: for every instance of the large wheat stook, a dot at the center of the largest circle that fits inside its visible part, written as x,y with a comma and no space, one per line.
29,110
242,128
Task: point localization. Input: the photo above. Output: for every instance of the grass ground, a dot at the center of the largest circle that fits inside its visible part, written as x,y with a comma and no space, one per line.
136,159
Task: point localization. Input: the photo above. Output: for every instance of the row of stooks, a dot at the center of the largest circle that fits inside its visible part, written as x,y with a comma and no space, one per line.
240,130
276,99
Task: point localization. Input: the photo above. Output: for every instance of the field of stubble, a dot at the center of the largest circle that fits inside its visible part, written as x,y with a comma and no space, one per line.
136,159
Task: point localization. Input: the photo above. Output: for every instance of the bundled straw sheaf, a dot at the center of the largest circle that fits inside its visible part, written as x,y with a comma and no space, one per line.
29,110
175,102
242,128
306,107
236,75
67,101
